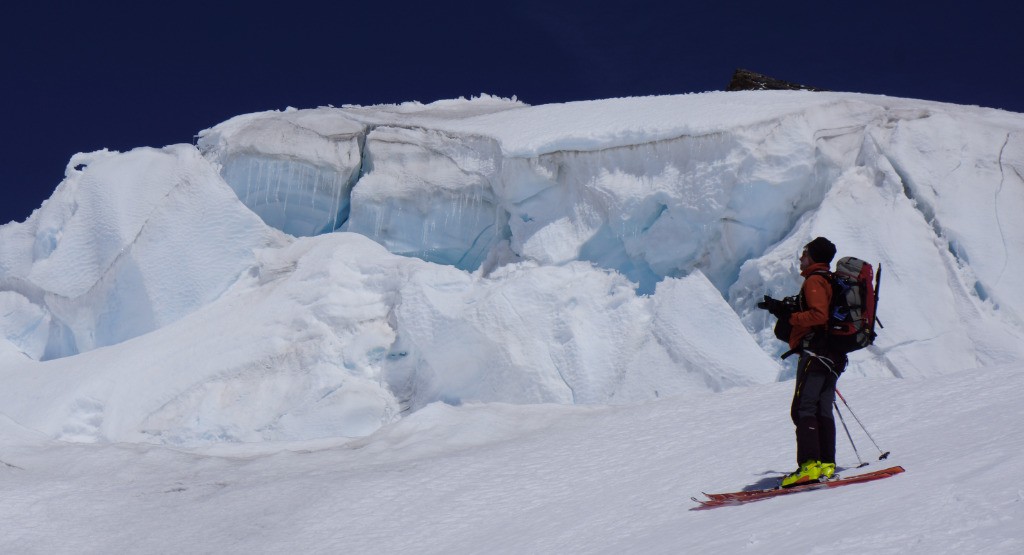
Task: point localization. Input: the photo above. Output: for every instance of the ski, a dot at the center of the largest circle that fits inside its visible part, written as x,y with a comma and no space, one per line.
740,497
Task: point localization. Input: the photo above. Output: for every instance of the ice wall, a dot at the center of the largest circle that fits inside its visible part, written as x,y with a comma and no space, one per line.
128,243
450,186
460,201
598,252
296,172
663,187
298,198
431,195
710,197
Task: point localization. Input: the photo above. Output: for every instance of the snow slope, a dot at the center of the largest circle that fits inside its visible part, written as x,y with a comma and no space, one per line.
548,479
446,327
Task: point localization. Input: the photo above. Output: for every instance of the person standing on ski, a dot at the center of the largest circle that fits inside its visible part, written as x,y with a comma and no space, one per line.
818,368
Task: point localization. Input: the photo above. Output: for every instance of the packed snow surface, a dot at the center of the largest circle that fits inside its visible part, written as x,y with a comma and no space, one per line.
478,325
499,478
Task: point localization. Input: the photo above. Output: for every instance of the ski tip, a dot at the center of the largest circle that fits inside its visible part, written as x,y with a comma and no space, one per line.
891,471
704,504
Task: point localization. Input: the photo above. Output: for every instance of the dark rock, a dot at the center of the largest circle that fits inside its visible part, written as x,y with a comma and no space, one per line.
746,80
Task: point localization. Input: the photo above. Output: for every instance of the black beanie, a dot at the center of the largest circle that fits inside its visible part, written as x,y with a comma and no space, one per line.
821,250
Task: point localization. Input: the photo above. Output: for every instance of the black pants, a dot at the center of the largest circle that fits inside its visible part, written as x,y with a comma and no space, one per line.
811,411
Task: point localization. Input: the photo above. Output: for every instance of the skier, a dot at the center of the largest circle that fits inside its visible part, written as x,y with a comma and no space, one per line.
818,368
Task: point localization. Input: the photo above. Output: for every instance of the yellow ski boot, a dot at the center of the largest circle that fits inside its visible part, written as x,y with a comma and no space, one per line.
809,471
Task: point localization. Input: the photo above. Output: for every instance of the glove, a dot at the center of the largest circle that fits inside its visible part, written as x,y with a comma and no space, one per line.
779,309
769,304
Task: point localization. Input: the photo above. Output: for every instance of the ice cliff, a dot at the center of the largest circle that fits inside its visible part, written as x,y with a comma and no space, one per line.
308,273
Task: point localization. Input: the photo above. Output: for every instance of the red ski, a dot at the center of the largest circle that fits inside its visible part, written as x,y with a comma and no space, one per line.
741,497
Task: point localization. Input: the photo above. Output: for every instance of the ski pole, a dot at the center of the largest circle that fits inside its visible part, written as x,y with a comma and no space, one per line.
882,456
852,444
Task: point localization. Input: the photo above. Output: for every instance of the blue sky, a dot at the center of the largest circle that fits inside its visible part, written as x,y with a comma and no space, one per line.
127,74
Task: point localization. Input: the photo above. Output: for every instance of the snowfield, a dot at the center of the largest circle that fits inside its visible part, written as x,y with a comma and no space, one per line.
482,326
548,479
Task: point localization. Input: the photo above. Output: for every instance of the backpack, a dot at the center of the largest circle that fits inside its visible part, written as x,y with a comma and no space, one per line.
851,320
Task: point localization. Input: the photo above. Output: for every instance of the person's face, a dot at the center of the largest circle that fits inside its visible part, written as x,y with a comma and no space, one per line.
805,260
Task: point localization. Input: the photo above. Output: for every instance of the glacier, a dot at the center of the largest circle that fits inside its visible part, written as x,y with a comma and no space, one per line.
304,274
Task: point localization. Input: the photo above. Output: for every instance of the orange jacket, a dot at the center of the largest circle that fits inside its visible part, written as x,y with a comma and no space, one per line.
817,295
